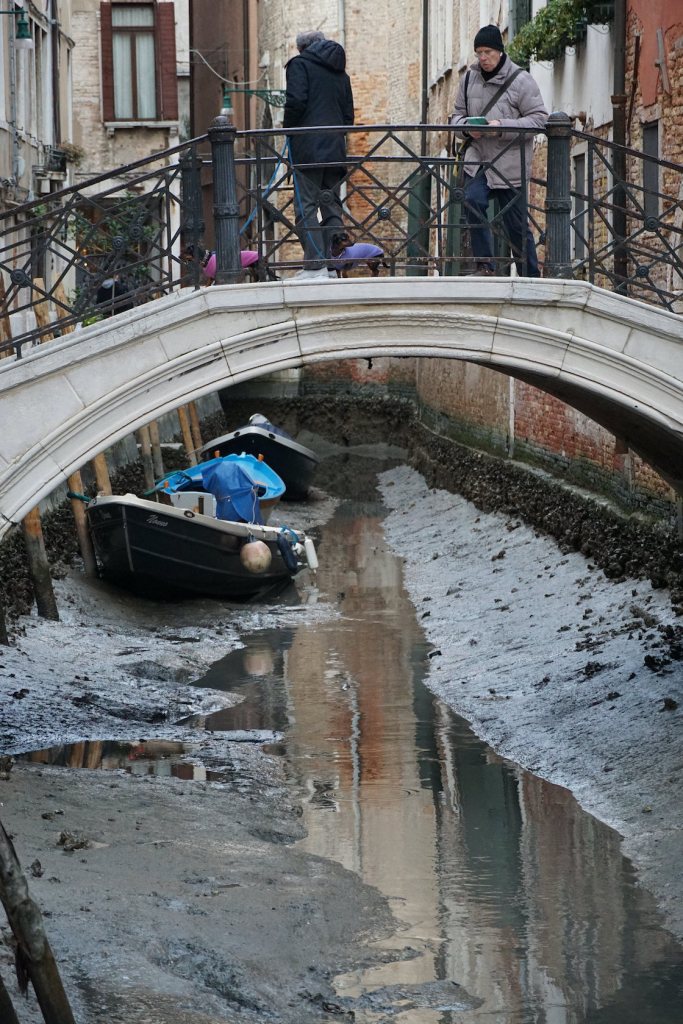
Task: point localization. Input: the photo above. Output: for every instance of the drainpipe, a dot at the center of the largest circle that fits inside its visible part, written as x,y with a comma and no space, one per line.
13,103
246,65
341,22
56,90
619,138
424,105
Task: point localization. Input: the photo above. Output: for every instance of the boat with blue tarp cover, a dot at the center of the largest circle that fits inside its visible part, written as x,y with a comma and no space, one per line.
295,463
245,488
206,535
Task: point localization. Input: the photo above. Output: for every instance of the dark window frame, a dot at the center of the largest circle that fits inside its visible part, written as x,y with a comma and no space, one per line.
133,31
166,82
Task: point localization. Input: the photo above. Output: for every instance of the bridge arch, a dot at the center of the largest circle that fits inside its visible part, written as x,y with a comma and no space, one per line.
618,360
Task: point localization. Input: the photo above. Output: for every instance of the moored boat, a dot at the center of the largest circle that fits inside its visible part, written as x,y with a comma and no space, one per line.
244,488
292,461
166,551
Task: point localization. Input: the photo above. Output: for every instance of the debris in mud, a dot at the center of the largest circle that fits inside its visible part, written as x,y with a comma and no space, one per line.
327,1006
443,996
71,841
654,663
591,668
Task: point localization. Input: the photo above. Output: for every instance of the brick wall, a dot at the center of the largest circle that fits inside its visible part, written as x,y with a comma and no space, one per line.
468,402
104,148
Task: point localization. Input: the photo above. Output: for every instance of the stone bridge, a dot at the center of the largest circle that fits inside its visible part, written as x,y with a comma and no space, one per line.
617,360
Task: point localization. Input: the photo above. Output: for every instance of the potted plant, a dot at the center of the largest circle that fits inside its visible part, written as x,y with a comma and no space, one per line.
561,23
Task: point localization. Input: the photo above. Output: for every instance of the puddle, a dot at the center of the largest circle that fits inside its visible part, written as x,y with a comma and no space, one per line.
163,758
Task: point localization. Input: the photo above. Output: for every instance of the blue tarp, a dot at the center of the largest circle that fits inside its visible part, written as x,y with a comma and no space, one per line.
237,497
236,481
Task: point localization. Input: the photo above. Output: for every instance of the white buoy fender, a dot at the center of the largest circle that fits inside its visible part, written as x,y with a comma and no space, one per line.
311,556
255,556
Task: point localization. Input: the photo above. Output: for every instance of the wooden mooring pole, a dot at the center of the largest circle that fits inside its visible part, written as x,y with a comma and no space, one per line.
38,565
7,1014
34,950
157,457
145,442
194,427
99,465
4,638
186,432
75,484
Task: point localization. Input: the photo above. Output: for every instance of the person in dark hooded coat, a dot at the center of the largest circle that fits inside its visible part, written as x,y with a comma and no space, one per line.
318,93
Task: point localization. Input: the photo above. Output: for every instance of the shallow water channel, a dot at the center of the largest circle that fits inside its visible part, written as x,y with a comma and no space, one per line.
498,881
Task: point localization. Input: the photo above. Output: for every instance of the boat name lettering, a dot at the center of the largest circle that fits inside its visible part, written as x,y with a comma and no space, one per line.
155,521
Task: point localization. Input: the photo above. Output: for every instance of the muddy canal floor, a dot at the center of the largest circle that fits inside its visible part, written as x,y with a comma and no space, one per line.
185,898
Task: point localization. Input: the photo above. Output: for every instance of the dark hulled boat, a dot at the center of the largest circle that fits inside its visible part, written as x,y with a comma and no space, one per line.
170,552
292,461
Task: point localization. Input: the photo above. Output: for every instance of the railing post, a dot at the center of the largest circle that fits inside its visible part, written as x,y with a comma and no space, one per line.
226,211
619,226
558,204
192,224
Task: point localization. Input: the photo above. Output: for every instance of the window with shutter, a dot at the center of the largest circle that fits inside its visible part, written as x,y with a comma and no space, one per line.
440,38
138,61
520,14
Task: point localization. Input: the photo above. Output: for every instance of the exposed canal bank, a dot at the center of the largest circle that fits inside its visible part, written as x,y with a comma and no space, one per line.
623,545
373,815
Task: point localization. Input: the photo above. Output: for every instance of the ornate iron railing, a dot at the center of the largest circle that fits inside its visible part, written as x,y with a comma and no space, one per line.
604,213
58,251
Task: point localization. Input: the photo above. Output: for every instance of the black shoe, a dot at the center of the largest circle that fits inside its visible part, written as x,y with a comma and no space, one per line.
485,270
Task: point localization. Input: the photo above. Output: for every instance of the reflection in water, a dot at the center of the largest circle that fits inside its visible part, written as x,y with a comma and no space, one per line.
163,758
498,880
254,671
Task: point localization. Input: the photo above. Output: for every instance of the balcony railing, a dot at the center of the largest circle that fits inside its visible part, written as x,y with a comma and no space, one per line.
620,225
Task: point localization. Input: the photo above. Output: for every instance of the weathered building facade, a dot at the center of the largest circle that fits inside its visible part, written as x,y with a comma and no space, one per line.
36,103
130,77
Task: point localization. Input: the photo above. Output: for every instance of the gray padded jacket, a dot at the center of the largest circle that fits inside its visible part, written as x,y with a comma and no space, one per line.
521,105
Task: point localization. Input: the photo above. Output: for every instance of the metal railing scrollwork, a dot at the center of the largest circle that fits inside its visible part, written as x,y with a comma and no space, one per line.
86,253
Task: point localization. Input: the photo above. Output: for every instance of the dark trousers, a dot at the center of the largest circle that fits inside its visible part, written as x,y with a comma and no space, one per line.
478,194
317,190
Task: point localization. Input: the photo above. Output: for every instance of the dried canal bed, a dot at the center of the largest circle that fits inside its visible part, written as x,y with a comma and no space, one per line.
509,903
512,904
